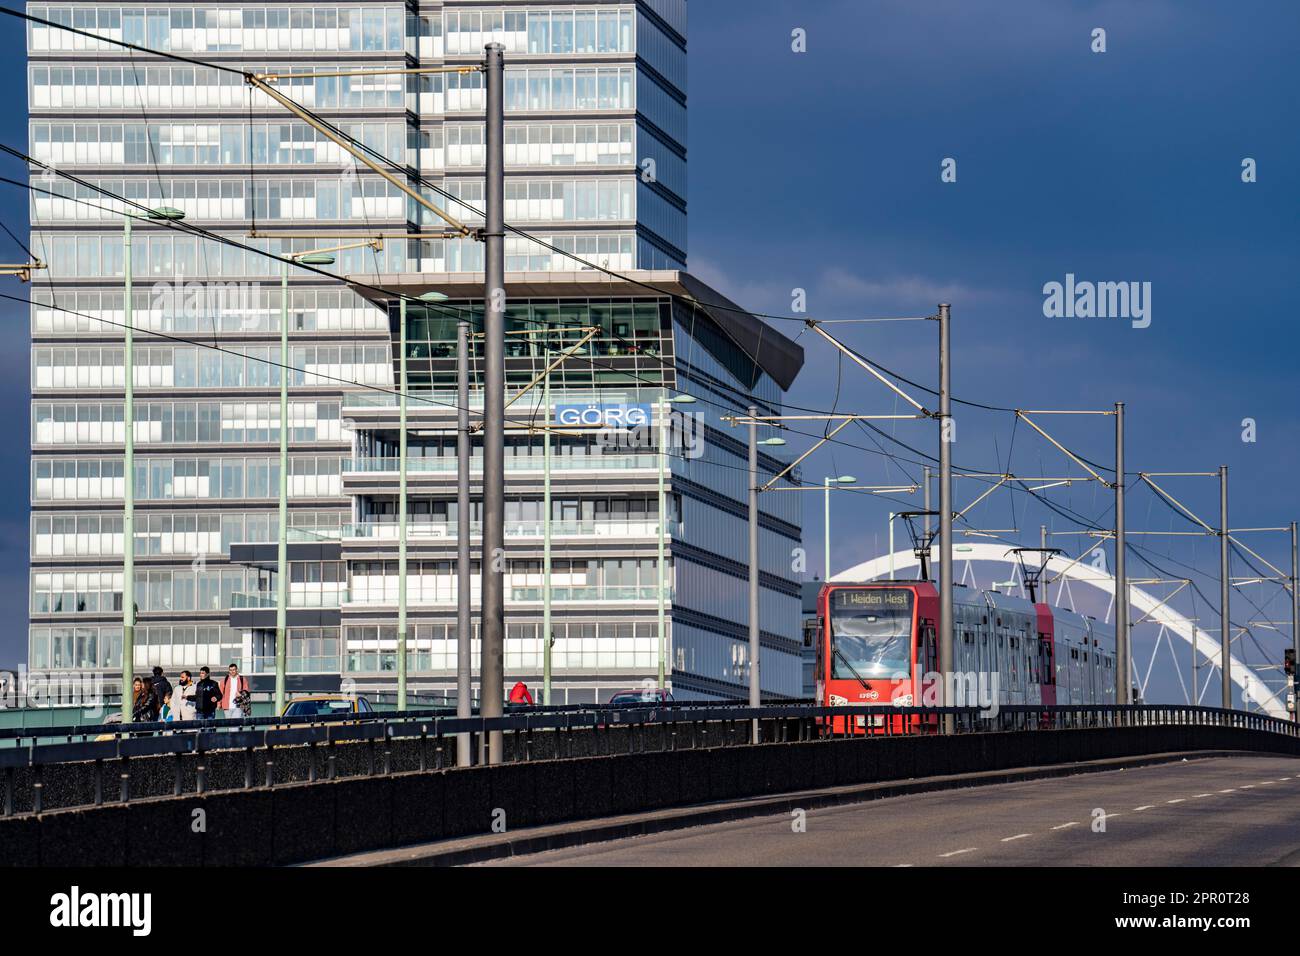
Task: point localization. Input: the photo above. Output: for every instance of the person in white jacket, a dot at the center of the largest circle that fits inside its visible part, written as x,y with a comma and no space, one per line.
183,697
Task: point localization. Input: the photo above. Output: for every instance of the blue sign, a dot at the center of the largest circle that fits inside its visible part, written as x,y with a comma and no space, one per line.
595,415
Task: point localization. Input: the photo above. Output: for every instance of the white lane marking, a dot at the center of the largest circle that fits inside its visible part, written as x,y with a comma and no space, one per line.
1205,794
897,865
1280,779
1265,783
969,849
1072,823
1179,800
1018,836
1247,786
1229,790
1147,806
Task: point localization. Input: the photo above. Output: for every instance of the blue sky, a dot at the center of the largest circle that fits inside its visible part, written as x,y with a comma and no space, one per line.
821,171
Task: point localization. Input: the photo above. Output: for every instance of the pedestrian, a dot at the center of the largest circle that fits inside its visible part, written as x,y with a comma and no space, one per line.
519,694
165,713
184,700
137,700
161,685
155,701
234,693
207,696
144,705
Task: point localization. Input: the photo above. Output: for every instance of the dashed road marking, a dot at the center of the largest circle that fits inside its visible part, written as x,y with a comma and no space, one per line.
1205,794
897,865
969,849
1265,783
1147,806
1072,823
1018,836
1179,800
1229,790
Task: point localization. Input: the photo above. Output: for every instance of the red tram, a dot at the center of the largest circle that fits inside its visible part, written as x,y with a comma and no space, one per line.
877,646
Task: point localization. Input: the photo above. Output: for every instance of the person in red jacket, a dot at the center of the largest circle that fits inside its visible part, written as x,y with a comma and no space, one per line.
519,694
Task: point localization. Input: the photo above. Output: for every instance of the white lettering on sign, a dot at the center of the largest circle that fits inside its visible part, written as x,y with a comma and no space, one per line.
603,416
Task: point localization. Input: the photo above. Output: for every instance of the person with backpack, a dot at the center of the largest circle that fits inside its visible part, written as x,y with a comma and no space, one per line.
161,685
520,695
235,699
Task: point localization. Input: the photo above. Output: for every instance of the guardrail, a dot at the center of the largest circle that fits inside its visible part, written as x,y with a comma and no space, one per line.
245,751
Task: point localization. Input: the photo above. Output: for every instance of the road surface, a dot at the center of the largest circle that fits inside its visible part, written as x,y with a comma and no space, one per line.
1225,811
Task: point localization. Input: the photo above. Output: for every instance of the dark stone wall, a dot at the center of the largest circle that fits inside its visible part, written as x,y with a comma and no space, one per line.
360,810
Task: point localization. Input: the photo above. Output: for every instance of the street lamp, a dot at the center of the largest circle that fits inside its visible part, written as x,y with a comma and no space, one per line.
164,214
840,480
282,542
402,385
755,687
662,580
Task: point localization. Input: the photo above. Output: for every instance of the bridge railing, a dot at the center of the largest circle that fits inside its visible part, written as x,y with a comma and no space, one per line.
234,753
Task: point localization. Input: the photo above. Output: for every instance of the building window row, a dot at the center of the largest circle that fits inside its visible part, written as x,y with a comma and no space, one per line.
578,645
541,32
434,582
204,88
346,197
550,200
171,533
162,255
170,479
208,144
220,29
165,366
155,256
205,307
534,144
80,423
100,592
544,89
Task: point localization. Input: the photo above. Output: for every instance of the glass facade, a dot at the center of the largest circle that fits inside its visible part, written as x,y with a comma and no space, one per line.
596,168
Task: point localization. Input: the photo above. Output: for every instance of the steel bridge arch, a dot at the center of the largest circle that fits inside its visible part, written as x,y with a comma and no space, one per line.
1147,604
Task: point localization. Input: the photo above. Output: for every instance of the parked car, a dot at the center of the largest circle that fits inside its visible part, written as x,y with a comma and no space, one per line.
110,719
321,705
643,695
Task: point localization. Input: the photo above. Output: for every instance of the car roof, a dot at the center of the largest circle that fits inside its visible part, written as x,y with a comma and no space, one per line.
641,690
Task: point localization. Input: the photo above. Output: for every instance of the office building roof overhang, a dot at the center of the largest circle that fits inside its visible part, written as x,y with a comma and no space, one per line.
780,357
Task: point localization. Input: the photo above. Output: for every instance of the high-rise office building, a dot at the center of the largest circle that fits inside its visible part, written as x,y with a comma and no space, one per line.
596,175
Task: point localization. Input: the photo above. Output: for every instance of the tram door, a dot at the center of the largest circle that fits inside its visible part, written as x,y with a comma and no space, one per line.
928,654
1047,670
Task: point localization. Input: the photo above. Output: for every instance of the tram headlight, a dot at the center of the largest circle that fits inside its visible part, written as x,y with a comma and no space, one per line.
838,701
